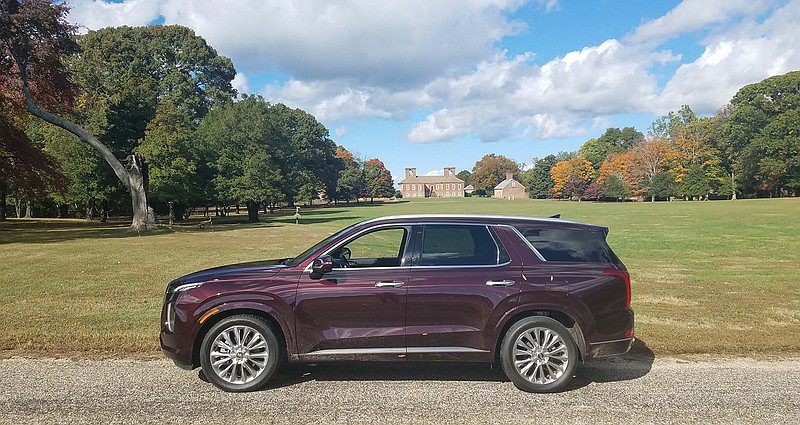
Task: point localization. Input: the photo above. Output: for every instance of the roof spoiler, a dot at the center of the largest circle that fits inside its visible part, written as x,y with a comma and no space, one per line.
555,216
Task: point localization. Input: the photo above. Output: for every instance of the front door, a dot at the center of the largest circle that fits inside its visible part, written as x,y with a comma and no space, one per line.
358,309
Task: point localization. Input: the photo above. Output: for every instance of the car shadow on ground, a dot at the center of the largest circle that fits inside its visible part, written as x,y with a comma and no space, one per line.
633,365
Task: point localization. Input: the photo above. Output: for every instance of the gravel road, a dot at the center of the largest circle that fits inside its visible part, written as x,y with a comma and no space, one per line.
621,390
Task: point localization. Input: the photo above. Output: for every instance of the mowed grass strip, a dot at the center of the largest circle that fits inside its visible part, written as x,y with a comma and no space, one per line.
708,277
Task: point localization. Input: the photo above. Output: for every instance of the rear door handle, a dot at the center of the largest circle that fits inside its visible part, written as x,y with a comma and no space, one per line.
500,282
389,284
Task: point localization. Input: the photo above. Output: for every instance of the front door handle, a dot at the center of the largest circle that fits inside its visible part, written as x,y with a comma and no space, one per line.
500,282
389,284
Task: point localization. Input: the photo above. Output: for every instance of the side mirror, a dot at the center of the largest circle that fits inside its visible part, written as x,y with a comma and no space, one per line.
321,265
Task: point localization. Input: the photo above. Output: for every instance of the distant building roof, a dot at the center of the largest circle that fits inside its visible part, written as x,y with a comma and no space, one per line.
431,179
469,187
507,182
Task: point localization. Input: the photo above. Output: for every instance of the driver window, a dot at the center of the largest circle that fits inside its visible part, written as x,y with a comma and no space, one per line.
381,248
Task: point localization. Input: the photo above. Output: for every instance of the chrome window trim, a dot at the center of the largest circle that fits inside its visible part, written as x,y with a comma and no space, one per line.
521,236
492,236
406,227
424,223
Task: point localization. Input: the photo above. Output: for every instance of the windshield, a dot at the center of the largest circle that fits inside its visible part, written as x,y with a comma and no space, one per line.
300,258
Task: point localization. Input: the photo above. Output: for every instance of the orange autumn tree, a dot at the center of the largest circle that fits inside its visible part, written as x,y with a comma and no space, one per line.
622,165
571,176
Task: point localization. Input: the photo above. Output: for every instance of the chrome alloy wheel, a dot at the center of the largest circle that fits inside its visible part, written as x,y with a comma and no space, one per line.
540,355
239,354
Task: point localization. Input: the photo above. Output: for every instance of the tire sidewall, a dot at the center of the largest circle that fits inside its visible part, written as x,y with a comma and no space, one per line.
507,354
272,346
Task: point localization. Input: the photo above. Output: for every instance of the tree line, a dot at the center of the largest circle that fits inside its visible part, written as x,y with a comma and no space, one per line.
160,98
750,148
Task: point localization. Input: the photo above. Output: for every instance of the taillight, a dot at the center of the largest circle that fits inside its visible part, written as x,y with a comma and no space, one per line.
627,279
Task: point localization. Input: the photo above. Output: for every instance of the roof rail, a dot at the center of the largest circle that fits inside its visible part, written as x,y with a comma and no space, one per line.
555,216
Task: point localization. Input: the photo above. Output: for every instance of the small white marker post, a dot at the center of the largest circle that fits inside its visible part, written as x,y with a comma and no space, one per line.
297,215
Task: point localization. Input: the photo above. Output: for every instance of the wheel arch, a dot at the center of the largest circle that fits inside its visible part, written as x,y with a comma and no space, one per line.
565,319
268,318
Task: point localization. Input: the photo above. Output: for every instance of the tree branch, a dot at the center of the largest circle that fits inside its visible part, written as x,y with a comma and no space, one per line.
73,128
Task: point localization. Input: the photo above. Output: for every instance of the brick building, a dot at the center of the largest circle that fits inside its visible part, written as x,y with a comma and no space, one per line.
445,186
509,188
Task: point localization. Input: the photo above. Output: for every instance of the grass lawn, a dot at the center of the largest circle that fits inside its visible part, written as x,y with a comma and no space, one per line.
715,277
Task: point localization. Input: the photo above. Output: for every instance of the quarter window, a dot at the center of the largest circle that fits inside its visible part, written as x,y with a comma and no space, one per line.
455,245
571,245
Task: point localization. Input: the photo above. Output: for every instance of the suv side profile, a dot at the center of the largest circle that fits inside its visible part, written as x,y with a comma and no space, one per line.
537,295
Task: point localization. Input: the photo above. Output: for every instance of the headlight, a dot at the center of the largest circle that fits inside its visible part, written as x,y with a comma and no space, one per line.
172,296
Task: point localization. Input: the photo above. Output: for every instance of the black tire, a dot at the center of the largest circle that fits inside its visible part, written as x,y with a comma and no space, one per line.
534,368
249,362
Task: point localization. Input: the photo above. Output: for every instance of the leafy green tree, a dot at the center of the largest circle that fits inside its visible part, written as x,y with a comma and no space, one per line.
244,167
537,178
378,179
172,152
594,152
615,187
761,130
661,185
490,170
351,182
694,183
304,152
466,176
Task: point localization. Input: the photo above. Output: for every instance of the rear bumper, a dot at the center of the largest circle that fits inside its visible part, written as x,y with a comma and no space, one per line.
610,348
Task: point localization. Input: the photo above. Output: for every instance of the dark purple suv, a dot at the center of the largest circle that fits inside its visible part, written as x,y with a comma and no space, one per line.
538,295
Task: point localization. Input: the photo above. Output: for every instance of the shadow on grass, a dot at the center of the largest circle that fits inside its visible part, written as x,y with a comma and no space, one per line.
633,365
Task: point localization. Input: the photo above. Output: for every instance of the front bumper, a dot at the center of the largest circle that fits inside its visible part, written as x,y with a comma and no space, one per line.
182,357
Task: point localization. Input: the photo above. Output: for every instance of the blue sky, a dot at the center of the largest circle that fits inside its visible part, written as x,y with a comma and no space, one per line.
429,84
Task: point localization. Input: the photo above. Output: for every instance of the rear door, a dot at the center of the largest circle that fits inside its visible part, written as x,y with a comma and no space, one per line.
462,281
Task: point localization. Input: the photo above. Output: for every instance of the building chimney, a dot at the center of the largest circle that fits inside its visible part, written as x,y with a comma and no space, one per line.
509,176
449,171
411,172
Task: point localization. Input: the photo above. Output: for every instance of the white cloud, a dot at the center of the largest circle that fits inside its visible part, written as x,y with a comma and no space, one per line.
744,55
435,173
692,15
240,83
509,98
95,14
340,131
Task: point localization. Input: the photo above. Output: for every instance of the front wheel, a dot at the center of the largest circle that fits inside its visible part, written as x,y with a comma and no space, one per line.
240,353
539,355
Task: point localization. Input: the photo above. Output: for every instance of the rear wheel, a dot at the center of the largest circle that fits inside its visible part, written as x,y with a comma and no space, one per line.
240,353
539,355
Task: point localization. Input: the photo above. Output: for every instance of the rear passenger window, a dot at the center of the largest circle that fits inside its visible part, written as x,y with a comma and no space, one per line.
453,245
573,245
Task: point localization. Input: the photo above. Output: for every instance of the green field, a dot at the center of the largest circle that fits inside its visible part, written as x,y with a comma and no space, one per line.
714,277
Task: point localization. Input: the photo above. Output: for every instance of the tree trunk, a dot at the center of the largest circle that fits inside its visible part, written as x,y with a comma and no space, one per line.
733,185
171,213
90,210
252,212
3,198
143,216
104,211
18,208
652,198
28,213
